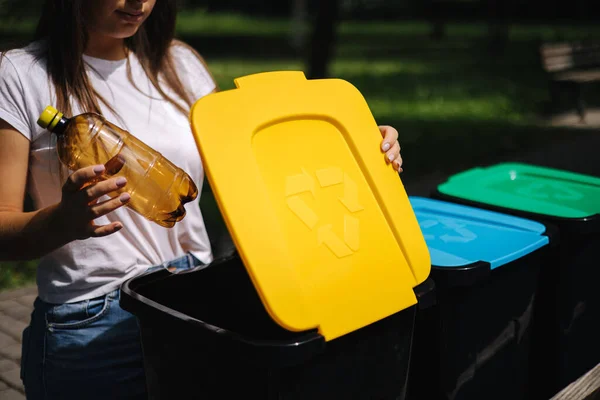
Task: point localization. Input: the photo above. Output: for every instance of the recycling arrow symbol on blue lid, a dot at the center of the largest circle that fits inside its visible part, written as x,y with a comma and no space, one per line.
456,232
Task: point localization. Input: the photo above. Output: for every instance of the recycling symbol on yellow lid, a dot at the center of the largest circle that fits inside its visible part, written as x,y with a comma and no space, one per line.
304,182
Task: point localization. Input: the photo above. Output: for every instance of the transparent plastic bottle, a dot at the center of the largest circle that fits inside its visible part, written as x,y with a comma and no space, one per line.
158,188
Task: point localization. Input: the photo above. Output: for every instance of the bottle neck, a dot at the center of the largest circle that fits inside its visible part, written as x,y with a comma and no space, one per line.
61,126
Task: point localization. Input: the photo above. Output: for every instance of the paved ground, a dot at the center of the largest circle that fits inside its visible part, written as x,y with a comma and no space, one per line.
592,119
15,310
579,155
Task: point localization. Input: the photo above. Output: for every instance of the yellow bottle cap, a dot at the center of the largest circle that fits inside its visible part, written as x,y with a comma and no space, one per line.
49,118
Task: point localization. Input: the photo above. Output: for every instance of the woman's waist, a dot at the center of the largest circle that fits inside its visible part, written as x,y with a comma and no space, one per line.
69,280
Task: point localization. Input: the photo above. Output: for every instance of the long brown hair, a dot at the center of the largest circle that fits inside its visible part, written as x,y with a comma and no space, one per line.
62,27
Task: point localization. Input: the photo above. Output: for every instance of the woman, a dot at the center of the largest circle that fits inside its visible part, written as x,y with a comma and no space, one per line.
117,58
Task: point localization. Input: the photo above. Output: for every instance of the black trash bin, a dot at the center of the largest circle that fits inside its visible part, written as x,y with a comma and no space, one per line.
565,341
474,342
206,334
320,301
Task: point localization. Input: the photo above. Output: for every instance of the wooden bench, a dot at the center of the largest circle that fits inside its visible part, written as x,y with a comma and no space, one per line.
586,387
571,66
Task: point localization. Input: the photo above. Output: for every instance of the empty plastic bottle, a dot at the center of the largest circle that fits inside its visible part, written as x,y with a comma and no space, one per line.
158,188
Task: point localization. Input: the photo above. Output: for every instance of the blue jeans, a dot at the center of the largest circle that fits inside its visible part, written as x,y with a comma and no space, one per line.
89,350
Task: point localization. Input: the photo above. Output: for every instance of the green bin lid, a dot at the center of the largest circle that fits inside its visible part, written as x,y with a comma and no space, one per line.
528,188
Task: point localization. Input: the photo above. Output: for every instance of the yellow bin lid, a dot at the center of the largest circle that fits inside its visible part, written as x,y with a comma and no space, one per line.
321,222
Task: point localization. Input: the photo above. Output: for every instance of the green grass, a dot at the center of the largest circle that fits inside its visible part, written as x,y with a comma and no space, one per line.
200,22
16,274
455,104
395,64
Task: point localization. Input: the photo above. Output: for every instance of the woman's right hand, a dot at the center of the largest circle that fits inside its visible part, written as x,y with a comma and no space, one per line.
79,206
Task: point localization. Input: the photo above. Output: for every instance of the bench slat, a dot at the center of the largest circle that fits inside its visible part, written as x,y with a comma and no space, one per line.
568,56
578,76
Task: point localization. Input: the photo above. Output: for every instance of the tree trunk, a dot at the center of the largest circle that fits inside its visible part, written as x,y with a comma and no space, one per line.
323,39
498,25
438,31
582,9
299,23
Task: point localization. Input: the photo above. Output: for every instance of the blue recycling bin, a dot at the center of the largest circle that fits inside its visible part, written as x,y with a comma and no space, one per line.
473,342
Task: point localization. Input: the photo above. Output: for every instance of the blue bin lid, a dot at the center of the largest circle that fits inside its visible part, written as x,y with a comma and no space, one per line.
458,235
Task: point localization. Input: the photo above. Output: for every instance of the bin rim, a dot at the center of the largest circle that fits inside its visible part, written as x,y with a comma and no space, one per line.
460,276
583,225
473,274
308,342
426,294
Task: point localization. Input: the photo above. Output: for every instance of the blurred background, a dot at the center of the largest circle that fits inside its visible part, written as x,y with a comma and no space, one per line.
463,81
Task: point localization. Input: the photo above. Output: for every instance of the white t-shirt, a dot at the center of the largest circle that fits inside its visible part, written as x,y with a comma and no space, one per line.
88,268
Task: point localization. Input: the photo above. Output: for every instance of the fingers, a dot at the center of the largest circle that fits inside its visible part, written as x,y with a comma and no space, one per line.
393,156
80,177
104,208
393,153
108,206
391,147
100,189
105,230
397,163
390,136
81,192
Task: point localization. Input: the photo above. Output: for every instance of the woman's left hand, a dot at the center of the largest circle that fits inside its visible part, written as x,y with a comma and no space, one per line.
391,147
